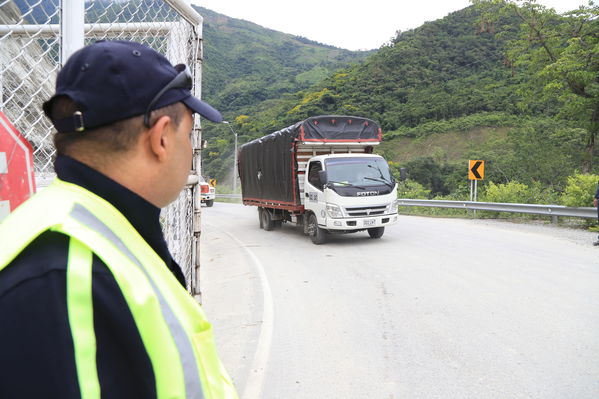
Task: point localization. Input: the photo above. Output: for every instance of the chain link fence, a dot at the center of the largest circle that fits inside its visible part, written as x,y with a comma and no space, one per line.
30,57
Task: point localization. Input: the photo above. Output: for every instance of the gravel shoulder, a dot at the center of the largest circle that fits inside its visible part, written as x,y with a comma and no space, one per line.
576,235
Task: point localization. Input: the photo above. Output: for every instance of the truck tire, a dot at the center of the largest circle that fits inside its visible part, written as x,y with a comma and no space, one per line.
376,232
317,235
305,224
209,203
266,221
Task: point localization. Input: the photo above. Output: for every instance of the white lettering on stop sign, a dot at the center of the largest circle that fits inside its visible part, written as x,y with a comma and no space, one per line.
3,164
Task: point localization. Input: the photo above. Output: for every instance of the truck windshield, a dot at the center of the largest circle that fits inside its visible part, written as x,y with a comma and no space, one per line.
358,171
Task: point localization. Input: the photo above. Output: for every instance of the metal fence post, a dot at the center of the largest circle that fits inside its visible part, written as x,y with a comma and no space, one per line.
197,54
72,20
1,86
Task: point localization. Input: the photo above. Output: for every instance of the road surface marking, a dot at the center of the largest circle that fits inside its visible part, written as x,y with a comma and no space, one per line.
255,380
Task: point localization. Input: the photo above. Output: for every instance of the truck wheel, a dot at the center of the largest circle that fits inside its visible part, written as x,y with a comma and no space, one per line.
266,221
318,235
305,224
376,232
209,203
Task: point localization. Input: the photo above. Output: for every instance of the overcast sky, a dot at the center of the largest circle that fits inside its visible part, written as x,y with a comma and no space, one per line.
349,24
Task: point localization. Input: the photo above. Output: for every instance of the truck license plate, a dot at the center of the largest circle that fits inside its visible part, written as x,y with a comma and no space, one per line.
369,222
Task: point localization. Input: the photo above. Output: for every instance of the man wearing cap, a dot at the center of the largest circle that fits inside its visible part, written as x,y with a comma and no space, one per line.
91,302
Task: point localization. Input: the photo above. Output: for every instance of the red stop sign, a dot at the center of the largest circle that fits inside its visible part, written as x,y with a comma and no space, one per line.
17,182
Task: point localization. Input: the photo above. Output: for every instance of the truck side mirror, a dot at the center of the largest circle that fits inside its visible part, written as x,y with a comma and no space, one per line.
322,175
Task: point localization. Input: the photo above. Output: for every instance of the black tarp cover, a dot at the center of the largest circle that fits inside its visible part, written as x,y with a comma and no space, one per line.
267,166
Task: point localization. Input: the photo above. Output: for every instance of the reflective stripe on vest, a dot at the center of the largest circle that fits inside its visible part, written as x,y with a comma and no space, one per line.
172,325
81,317
190,368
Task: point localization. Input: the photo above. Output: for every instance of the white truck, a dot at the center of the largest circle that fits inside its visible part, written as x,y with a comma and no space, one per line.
321,174
207,193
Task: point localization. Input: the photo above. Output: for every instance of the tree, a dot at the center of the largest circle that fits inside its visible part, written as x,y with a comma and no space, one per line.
561,52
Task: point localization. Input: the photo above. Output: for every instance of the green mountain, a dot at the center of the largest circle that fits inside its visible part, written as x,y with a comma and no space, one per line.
444,69
472,85
246,64
249,71
441,70
443,93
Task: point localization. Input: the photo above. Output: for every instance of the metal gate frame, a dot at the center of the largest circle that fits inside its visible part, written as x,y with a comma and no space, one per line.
181,220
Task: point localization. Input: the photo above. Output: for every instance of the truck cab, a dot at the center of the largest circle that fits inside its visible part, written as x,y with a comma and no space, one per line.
349,192
207,192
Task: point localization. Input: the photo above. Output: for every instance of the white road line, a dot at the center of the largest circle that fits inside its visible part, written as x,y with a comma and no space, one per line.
255,380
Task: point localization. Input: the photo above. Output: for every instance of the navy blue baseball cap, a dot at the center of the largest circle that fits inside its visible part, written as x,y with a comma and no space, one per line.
115,80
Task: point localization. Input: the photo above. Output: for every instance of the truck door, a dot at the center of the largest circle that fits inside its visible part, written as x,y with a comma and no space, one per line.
313,191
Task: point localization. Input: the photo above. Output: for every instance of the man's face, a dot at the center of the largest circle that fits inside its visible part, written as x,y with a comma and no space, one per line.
180,162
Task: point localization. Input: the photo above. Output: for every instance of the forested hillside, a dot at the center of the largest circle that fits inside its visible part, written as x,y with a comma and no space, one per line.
246,64
442,70
451,78
505,81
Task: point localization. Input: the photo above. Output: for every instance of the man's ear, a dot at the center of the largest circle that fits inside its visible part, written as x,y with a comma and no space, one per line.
159,137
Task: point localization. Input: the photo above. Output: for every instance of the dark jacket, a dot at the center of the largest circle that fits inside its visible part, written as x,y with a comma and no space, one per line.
36,346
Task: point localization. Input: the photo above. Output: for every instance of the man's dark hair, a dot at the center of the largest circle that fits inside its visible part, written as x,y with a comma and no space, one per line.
116,137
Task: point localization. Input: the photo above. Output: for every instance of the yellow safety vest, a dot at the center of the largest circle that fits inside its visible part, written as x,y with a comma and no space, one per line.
172,325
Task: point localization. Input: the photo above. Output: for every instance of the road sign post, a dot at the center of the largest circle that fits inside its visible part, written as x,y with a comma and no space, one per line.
476,172
17,182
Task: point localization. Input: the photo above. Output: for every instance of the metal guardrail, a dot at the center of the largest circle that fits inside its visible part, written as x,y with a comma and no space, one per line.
535,209
229,196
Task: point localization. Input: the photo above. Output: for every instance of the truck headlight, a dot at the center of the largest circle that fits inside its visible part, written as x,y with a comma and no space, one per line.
393,207
334,211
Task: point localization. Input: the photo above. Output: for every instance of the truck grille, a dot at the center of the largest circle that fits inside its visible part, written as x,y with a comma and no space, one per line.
366,211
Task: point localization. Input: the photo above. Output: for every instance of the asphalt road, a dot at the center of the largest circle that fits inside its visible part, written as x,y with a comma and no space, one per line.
436,308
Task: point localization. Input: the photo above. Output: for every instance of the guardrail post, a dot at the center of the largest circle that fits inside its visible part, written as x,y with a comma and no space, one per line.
554,219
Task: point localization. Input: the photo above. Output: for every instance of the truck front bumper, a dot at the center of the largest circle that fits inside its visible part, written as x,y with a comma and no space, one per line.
360,223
